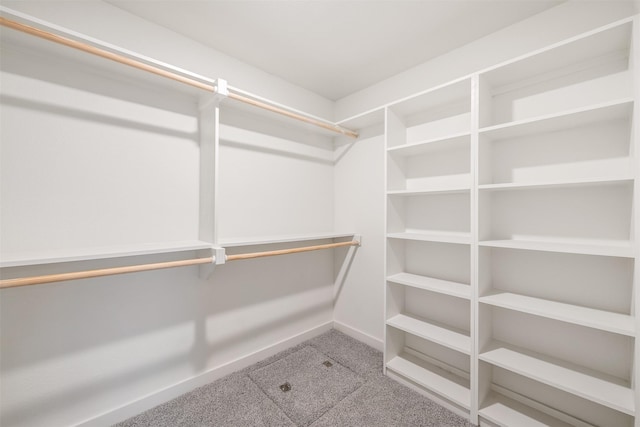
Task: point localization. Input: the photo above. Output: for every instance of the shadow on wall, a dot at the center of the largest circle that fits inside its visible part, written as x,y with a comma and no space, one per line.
66,68
344,144
88,323
79,113
79,315
21,414
342,270
272,134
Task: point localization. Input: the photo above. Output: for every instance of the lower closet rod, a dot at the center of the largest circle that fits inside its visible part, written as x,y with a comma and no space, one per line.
50,278
167,74
290,251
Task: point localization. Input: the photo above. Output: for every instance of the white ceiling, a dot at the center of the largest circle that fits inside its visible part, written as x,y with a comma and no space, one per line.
334,48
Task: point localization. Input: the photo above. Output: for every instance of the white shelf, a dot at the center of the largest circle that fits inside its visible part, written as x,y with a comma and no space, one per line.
439,237
432,331
447,94
590,385
366,119
446,287
268,240
457,141
577,50
556,184
19,259
588,247
55,256
617,109
506,412
426,191
432,378
589,317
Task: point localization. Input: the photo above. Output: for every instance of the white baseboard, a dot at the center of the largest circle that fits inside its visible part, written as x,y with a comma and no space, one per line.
154,399
371,341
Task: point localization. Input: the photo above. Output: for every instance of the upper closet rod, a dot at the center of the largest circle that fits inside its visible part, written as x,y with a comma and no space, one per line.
168,74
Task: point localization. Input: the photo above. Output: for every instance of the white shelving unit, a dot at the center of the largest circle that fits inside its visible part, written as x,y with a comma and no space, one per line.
556,171
511,198
429,182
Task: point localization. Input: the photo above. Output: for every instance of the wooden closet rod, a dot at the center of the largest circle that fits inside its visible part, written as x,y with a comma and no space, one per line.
167,74
290,251
103,53
282,111
50,278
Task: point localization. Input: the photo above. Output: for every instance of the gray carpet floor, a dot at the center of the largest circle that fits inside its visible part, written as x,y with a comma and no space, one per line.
332,380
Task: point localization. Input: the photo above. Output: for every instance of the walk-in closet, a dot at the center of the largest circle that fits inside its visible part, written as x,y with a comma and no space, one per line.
319,213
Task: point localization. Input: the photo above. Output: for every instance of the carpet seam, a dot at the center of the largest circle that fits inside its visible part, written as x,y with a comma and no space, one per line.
337,403
272,401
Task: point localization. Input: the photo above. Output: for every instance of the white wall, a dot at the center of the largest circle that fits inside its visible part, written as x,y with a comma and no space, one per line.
359,206
93,159
281,177
89,161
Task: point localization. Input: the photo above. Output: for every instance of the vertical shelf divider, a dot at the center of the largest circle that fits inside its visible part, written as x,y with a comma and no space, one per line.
635,146
473,216
428,170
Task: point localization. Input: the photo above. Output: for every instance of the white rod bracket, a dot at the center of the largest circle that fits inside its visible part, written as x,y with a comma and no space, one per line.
358,239
219,257
222,89
221,92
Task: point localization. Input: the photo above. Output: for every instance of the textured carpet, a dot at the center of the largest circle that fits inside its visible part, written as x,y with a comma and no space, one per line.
350,392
